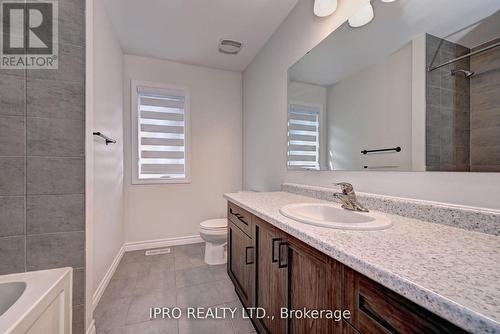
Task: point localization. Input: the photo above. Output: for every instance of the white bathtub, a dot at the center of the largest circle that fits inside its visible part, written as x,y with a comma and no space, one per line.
36,302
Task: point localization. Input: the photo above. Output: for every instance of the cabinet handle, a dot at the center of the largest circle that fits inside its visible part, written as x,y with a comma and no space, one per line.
280,264
239,216
246,255
273,251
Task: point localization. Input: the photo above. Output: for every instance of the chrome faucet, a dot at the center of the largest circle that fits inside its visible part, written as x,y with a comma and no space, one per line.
348,197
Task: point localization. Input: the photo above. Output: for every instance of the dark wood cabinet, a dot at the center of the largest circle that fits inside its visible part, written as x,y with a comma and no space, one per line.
241,263
241,218
348,329
378,310
311,278
273,270
271,277
293,276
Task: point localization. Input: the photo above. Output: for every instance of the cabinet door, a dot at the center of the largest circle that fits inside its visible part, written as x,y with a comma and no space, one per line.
310,287
348,329
241,263
378,310
271,287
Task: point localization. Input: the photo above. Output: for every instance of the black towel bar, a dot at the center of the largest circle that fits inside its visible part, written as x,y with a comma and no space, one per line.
397,149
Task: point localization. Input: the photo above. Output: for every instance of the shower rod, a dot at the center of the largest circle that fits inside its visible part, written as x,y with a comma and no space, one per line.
486,48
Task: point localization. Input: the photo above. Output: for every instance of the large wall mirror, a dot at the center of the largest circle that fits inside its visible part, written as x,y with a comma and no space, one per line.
416,89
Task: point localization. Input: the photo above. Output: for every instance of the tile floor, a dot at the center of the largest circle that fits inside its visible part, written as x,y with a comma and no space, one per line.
179,278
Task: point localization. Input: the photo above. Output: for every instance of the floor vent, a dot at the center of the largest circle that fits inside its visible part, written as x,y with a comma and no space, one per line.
158,251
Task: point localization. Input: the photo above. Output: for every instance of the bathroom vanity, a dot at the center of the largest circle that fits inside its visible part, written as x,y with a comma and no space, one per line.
385,283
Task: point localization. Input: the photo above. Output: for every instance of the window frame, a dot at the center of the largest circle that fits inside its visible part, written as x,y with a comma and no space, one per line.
134,123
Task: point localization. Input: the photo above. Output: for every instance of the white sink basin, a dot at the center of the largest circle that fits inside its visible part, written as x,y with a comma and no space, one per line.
333,216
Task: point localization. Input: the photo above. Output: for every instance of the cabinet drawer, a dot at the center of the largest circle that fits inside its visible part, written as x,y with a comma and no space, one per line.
378,310
240,217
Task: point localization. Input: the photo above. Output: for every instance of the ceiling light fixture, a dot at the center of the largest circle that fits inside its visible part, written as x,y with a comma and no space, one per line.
323,8
229,47
363,16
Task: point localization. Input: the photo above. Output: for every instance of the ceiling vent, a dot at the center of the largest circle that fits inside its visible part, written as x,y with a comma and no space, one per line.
229,47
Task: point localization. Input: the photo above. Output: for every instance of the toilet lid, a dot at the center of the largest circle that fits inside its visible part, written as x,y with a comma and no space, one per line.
214,223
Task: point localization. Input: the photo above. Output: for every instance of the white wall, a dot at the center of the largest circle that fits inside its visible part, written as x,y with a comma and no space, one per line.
372,109
264,104
108,160
265,92
307,93
175,210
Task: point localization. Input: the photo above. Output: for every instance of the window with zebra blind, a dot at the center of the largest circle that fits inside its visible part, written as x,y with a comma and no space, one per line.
303,136
160,124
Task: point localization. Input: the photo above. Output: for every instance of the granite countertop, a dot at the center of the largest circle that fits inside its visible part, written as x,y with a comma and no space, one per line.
452,272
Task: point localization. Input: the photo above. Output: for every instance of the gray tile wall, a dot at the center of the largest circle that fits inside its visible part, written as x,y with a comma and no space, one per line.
12,171
42,161
485,110
448,106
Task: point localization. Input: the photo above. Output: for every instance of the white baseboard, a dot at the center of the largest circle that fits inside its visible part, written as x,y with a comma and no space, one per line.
133,246
91,329
149,244
105,281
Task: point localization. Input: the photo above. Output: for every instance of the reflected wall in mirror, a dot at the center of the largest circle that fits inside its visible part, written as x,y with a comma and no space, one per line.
417,89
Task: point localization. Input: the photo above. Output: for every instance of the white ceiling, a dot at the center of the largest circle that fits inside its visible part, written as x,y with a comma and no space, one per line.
189,31
349,50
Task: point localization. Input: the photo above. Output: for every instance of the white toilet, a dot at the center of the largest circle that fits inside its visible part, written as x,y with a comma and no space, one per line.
214,232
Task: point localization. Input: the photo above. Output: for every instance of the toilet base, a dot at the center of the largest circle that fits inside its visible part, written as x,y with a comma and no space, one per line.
215,253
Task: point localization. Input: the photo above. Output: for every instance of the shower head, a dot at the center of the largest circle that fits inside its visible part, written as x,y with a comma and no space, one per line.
466,73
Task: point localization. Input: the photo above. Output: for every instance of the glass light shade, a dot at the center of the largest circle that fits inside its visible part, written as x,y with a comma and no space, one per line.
363,16
324,8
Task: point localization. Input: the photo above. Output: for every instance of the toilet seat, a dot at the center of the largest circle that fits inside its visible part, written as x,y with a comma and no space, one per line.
214,224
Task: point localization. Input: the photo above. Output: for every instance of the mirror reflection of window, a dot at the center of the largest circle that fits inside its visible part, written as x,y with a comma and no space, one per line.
303,136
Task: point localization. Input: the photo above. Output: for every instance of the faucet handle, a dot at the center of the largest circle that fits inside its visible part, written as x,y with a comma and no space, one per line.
345,187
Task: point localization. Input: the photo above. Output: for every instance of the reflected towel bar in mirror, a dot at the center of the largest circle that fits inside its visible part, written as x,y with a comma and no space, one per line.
380,167
106,138
397,149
